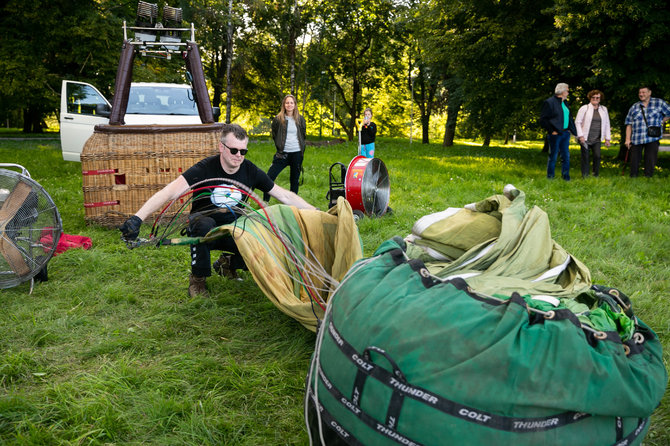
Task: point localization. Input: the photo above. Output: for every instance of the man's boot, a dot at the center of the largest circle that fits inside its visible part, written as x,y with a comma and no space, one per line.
197,286
223,268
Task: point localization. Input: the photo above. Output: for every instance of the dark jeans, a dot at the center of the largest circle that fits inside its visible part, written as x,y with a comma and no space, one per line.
201,262
280,162
650,157
595,149
559,144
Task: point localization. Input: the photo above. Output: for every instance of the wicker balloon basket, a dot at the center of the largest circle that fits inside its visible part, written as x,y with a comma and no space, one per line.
122,166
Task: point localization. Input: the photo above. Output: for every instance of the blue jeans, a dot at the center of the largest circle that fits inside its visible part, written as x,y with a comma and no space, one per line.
559,144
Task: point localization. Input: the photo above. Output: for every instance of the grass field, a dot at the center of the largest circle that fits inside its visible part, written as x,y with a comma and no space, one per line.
111,350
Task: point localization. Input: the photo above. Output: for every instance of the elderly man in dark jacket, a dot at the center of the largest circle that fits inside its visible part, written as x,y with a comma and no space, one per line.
556,119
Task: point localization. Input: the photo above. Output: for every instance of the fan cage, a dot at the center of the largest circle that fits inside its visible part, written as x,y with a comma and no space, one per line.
30,233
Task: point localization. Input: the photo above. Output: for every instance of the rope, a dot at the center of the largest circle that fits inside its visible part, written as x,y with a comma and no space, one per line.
305,268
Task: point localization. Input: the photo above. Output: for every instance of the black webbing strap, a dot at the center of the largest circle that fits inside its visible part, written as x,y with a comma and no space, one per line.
330,422
618,428
364,417
399,385
427,279
633,435
350,439
397,398
394,409
447,406
397,256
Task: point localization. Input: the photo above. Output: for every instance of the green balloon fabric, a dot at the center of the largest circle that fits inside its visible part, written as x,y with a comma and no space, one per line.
406,357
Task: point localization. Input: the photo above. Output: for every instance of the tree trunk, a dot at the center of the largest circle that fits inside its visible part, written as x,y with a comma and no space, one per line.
424,103
229,62
453,108
291,58
506,138
216,100
293,36
32,120
218,77
26,120
425,127
351,129
487,141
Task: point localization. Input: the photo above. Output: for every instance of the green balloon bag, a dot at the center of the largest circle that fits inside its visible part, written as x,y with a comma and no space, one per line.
404,357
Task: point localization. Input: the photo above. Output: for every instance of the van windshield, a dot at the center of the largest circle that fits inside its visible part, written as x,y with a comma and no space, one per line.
144,100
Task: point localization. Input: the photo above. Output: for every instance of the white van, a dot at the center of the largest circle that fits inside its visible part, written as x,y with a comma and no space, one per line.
82,107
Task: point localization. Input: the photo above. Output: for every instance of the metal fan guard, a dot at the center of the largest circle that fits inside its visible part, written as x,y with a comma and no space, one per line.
30,227
367,186
375,189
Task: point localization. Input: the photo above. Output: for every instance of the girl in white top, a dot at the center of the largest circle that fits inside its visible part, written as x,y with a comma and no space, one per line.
288,132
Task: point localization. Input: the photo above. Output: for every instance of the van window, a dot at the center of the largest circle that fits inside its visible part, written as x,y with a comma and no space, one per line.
82,99
144,100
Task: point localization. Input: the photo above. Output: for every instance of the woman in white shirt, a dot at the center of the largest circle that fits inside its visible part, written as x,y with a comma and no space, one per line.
593,126
288,132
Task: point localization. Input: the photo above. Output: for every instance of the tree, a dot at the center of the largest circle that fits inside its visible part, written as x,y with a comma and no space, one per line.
454,102
503,66
425,78
352,47
615,46
44,42
426,91
430,30
216,22
267,60
491,54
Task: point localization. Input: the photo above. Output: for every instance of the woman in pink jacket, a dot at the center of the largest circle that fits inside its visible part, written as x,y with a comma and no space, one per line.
593,126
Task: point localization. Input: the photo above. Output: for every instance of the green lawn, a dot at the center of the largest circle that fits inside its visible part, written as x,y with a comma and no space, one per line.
111,350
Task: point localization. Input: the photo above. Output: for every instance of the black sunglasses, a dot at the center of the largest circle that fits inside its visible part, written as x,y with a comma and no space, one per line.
234,151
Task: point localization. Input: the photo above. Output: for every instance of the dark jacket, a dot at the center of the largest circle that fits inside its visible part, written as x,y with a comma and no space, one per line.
279,133
368,133
551,116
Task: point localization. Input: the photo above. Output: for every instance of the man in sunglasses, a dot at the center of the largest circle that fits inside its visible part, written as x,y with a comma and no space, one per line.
218,195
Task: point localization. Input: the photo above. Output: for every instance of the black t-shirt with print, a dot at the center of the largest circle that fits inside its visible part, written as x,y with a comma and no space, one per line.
223,196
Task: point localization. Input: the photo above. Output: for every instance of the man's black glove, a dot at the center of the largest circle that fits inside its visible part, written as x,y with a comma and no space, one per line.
130,230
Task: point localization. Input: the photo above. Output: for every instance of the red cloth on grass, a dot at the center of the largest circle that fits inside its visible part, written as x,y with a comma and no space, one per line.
66,241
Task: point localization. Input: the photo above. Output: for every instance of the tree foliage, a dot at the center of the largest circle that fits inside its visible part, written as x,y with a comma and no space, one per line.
354,44
269,59
212,19
615,47
494,53
44,42
427,71
490,63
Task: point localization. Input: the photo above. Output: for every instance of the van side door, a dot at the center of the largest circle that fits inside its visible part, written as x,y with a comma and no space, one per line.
82,107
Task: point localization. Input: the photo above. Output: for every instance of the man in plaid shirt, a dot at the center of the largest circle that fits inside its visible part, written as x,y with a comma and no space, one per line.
656,112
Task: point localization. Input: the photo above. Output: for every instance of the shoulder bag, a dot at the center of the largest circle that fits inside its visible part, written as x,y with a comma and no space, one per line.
653,131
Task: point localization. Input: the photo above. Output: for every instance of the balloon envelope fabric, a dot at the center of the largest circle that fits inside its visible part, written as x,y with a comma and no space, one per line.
296,255
405,357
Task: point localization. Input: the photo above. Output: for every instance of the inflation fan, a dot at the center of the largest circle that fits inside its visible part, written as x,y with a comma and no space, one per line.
364,184
30,226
